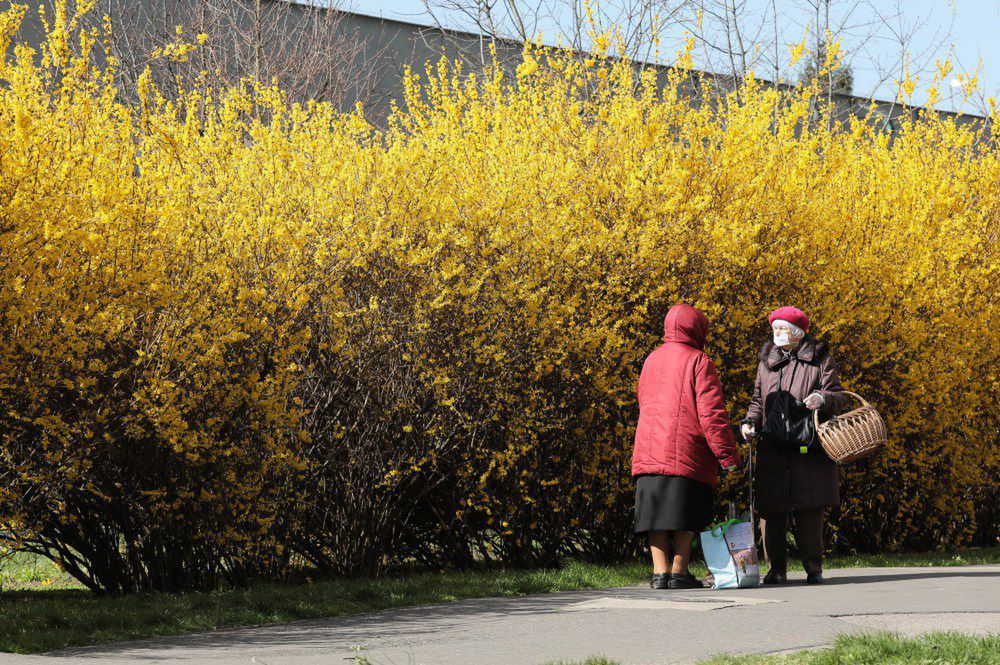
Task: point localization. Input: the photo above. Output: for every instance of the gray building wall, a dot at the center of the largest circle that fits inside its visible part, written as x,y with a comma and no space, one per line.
394,45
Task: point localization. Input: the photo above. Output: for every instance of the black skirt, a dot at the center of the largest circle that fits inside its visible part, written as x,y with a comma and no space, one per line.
672,503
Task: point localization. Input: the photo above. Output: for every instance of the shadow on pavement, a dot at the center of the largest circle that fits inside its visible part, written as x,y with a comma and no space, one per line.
399,627
386,629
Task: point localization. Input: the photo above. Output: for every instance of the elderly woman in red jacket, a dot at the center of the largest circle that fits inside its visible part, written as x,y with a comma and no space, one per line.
682,437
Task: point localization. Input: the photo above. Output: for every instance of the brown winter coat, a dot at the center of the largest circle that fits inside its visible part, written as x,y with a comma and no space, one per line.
788,481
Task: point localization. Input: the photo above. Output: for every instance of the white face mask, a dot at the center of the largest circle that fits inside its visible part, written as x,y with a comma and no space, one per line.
786,334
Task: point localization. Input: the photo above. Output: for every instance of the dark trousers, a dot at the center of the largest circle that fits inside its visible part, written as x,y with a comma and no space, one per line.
808,538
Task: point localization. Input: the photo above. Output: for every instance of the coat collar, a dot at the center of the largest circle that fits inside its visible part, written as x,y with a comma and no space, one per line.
808,351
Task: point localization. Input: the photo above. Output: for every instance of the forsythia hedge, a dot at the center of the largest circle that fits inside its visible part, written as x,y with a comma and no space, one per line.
236,334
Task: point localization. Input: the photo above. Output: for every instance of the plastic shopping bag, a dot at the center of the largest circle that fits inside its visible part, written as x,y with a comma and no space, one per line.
731,555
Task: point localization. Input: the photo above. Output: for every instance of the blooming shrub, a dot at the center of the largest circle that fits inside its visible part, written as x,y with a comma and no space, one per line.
237,332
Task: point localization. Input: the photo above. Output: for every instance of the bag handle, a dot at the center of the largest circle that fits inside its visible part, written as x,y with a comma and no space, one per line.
723,527
861,399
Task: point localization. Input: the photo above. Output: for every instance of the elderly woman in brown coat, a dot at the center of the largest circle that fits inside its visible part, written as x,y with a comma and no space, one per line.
795,372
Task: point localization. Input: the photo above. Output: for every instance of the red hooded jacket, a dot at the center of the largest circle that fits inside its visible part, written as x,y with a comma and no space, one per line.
683,426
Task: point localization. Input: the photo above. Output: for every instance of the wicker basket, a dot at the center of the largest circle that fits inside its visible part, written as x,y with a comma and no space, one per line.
852,435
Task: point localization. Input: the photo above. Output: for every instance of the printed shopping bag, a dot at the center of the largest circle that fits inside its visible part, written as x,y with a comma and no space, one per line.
731,554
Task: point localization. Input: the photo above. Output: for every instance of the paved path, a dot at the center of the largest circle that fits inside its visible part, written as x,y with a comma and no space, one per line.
633,624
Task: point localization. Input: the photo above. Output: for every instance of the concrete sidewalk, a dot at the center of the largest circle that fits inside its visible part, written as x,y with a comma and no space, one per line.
633,624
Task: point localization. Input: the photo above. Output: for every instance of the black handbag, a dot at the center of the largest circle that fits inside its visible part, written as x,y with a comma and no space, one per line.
788,424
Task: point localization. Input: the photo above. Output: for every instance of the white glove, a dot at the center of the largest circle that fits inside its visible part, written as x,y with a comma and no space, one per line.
748,431
814,401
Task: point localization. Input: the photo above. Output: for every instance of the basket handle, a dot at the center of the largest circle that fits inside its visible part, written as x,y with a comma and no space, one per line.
846,392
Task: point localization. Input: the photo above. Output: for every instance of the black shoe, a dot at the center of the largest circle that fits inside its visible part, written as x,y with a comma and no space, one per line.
814,578
775,577
684,581
659,581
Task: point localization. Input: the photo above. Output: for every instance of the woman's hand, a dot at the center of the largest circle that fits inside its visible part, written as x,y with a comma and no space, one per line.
748,431
814,401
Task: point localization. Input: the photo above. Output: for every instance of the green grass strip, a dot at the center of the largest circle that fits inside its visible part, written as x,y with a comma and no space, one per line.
886,649
868,649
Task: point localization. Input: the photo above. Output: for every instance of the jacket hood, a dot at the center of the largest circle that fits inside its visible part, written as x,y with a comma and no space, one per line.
687,325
